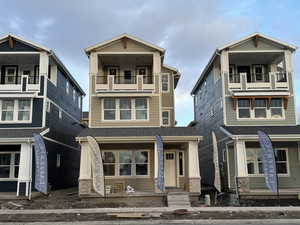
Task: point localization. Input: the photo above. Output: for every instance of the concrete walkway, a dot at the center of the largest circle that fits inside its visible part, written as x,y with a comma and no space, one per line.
151,210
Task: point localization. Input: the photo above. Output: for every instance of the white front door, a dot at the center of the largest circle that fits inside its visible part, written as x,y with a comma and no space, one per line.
170,169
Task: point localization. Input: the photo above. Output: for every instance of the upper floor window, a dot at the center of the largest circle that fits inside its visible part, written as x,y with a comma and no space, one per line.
74,95
255,165
165,118
67,87
9,165
234,77
125,109
165,82
141,108
15,110
260,109
10,75
79,101
109,109
259,73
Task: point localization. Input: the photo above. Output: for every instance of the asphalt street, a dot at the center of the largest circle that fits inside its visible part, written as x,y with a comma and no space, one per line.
175,222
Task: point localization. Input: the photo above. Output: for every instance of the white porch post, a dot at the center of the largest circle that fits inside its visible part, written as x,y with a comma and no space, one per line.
193,167
85,177
241,165
44,64
156,190
25,167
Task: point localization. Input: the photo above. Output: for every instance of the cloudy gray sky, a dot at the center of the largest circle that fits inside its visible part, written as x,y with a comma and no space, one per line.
189,30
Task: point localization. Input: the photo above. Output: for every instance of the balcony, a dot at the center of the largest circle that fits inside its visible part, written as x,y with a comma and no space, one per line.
15,83
123,83
258,81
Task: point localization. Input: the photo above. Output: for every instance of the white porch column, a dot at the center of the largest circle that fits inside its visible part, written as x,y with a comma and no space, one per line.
25,165
85,177
241,165
156,190
288,61
44,64
193,167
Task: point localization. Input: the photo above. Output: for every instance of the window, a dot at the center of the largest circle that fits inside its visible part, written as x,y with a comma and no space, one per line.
24,107
67,87
181,163
141,109
10,75
48,106
58,160
112,71
259,73
244,108
126,163
128,76
74,95
79,101
125,109
260,110
142,71
14,110
109,109
276,108
255,165
59,113
9,165
165,118
7,110
165,82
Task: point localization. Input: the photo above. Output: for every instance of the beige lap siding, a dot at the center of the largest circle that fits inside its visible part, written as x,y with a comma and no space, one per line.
96,115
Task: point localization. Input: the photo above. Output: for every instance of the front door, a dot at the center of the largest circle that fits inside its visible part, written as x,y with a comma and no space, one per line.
245,69
170,169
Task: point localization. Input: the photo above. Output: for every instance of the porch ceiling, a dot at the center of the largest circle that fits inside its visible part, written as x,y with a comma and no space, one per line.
134,59
19,59
254,58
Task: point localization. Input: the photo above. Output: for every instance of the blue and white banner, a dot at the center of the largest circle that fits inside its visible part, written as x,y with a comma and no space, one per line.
268,159
41,164
161,169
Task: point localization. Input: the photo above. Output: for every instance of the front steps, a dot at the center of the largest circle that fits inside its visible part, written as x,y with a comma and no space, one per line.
178,200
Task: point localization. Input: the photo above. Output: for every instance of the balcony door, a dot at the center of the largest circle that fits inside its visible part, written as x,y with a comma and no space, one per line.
245,69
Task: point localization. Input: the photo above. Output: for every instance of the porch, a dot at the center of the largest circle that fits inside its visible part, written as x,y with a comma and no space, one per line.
133,162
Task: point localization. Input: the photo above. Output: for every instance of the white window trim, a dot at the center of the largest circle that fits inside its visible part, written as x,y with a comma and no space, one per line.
59,113
12,166
183,164
168,75
15,113
117,164
117,112
252,114
74,95
15,74
162,118
280,174
79,101
48,106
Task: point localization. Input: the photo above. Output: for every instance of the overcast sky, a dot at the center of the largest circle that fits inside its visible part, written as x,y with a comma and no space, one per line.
189,30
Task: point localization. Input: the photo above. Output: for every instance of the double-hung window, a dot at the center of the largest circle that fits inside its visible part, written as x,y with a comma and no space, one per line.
109,163
125,109
244,108
74,95
276,108
260,110
141,109
165,82
259,73
255,164
67,87
165,118
24,107
9,165
109,109
7,110
10,75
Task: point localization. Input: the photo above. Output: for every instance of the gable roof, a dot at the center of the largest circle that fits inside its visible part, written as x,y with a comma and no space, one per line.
102,44
51,53
235,43
242,40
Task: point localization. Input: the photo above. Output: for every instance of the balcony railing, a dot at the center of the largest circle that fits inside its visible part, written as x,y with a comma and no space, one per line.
112,82
13,80
270,80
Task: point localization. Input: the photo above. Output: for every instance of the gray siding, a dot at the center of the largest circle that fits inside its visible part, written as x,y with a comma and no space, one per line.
17,47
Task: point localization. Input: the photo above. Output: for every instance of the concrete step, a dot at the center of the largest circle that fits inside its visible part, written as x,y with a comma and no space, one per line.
178,200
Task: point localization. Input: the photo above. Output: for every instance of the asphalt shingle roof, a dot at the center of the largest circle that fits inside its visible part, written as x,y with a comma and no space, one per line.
277,130
140,131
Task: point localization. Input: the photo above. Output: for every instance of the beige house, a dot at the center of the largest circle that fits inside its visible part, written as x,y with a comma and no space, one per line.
131,101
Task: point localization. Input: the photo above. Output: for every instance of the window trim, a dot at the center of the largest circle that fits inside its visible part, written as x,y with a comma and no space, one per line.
117,111
168,82
67,87
16,112
252,113
133,172
262,66
74,95
262,174
183,164
11,166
